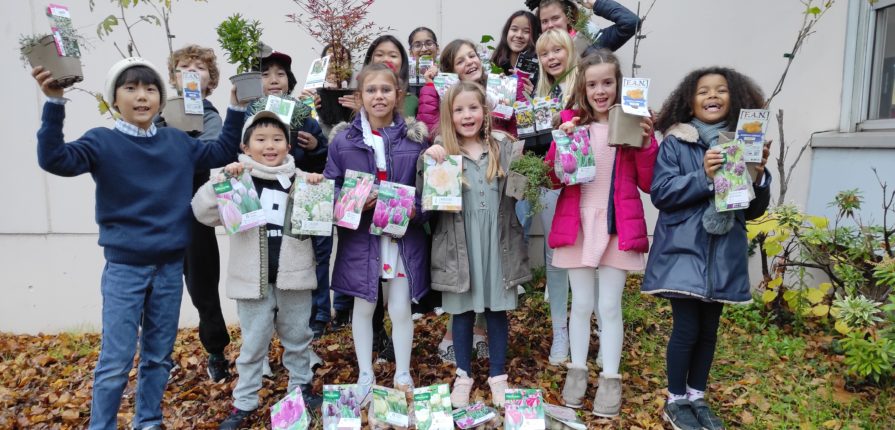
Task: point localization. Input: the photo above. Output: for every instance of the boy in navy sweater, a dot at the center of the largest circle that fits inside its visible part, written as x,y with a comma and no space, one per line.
143,177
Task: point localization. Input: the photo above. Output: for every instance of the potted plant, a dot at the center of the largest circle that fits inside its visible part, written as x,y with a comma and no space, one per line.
624,128
342,26
241,40
528,174
40,50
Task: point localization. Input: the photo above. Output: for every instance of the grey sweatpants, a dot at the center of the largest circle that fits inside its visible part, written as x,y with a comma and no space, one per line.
290,312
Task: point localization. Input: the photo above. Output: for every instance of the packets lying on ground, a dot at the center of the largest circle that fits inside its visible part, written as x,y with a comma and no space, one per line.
574,162
290,413
443,184
473,415
432,408
390,406
524,410
341,407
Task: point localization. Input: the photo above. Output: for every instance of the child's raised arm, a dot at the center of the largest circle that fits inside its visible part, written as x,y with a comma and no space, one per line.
53,154
208,155
626,22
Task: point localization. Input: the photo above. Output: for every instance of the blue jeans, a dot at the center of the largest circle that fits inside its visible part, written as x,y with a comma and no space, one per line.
498,333
135,297
323,249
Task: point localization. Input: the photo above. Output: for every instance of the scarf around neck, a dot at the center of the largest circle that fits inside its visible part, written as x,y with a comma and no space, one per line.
708,133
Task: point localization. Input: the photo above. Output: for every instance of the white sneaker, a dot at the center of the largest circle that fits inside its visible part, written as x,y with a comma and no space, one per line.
559,349
365,383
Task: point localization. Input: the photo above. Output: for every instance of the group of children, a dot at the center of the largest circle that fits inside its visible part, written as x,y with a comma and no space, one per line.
147,174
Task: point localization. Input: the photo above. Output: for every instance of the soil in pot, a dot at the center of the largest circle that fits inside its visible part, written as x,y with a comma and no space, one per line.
175,116
248,86
66,70
331,112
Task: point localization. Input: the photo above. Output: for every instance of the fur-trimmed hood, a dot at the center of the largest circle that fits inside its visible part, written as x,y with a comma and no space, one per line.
684,132
416,130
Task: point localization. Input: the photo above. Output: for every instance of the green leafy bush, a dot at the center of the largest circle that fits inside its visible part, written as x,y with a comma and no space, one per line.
241,39
535,170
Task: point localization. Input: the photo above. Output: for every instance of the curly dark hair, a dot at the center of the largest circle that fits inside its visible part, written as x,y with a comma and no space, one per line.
678,107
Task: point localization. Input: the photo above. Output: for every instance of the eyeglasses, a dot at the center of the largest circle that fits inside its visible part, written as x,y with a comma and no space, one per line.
427,44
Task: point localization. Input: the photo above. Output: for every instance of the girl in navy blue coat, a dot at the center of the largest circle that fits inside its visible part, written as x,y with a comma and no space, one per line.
699,256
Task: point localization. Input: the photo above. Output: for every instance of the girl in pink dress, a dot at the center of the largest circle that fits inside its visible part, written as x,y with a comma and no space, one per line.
600,224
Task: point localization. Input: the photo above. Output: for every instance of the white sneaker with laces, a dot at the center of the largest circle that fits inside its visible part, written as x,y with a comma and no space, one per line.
559,349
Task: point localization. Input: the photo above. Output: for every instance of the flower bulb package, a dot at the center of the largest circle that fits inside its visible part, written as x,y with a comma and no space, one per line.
394,205
523,410
312,208
574,162
341,407
238,203
443,184
503,90
390,406
635,96
444,82
290,413
432,408
473,415
525,119
733,183
353,196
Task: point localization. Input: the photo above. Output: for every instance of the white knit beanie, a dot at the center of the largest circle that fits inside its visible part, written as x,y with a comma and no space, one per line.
119,68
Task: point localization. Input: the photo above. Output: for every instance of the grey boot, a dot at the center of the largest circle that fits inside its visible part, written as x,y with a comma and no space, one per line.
608,401
575,386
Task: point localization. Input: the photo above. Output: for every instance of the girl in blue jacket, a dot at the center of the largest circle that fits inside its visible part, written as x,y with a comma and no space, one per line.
699,256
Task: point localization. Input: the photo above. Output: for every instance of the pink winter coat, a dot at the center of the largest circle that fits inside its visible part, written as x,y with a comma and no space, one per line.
633,169
429,111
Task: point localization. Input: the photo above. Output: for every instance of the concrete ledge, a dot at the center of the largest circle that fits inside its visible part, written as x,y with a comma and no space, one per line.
862,140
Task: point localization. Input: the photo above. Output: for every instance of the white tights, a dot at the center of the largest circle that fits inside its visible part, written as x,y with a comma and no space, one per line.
397,296
584,294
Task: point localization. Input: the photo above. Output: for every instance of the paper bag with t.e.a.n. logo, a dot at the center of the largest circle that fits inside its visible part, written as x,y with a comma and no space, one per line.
751,129
625,118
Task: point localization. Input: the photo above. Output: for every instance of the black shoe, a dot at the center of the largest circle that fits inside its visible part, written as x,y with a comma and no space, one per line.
680,415
218,367
383,346
235,420
318,327
342,319
707,419
312,401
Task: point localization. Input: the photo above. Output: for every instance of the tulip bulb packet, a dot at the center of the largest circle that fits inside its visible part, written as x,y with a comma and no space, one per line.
524,410
733,183
473,415
390,407
353,196
574,162
238,203
394,205
341,407
444,82
502,89
751,129
312,208
290,413
432,408
635,93
443,184
563,415
525,119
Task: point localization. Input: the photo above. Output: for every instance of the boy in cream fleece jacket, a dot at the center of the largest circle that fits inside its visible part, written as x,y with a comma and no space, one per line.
272,293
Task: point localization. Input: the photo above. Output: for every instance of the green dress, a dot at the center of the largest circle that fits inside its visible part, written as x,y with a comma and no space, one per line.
481,203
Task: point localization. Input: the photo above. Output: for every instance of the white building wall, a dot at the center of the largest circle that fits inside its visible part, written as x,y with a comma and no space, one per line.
49,260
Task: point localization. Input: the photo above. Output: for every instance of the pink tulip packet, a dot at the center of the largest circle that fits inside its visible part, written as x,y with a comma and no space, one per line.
290,413
574,162
394,205
524,409
238,203
353,196
473,415
443,184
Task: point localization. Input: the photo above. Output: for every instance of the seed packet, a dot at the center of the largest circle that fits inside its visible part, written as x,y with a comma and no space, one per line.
282,107
63,32
574,162
443,184
524,410
444,81
312,208
238,203
525,119
341,407
290,413
543,107
563,415
355,189
394,205
503,90
309,102
635,92
390,406
192,93
413,71
317,73
733,183
422,66
432,408
473,415
751,129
